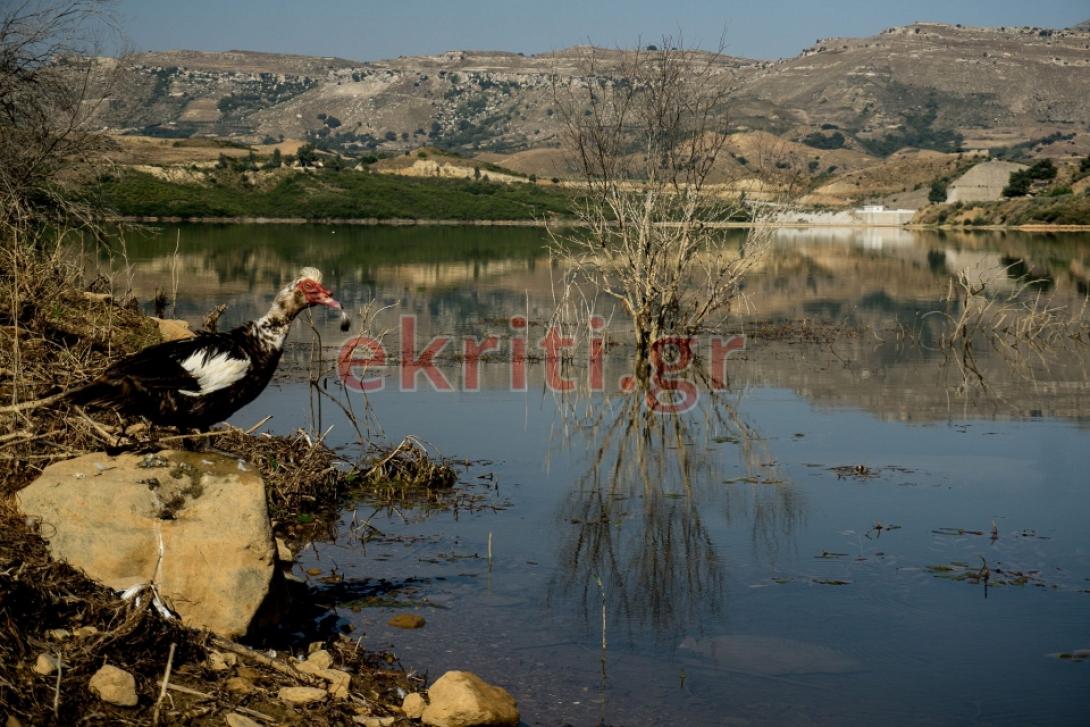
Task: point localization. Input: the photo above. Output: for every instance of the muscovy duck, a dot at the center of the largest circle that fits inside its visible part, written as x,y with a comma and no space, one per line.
196,382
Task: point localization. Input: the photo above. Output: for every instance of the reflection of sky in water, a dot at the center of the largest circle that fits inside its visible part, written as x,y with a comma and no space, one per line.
714,529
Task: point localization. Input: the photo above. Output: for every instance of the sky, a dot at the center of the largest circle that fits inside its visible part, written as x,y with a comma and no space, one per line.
372,30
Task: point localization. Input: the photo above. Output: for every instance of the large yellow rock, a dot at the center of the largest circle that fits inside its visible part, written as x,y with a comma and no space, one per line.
192,524
463,699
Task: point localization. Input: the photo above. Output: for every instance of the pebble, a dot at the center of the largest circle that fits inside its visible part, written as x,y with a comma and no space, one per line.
240,685
320,658
407,621
248,672
374,721
413,705
234,719
45,665
221,662
339,682
114,686
302,695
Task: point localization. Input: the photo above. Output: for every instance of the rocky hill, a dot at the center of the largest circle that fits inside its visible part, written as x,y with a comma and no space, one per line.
837,104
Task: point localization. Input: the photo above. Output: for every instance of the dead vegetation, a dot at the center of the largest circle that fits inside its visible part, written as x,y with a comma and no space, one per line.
408,466
1010,316
648,137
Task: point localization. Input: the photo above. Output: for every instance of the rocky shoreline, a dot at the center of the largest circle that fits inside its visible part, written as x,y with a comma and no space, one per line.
153,585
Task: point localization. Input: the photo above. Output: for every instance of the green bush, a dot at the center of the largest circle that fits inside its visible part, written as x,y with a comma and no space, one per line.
937,195
822,141
329,194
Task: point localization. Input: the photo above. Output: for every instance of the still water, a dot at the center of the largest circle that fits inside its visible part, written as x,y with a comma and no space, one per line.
804,547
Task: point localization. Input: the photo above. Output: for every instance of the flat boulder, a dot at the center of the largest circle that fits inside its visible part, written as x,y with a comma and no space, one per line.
463,699
192,524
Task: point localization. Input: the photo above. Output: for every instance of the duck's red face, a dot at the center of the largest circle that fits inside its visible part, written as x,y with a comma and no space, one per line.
315,294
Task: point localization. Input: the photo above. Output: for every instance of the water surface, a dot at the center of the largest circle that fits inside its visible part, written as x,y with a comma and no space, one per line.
743,577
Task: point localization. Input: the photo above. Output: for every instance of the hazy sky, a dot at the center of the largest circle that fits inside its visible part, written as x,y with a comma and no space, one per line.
374,29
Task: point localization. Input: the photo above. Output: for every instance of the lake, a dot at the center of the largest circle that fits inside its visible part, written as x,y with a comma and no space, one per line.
805,545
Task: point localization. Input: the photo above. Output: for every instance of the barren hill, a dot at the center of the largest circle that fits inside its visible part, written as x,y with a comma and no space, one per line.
839,105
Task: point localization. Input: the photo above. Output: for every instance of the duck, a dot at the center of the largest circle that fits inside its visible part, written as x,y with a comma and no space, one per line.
195,383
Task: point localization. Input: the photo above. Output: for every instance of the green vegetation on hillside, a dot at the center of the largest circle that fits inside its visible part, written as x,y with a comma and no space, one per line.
1021,181
1021,151
326,194
1064,208
918,131
822,141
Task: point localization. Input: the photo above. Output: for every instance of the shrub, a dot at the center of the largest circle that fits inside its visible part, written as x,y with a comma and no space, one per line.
937,195
822,141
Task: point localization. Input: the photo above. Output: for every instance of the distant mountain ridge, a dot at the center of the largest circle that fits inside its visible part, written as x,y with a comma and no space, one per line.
926,85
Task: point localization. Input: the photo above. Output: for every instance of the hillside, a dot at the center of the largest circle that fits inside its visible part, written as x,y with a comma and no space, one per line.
924,85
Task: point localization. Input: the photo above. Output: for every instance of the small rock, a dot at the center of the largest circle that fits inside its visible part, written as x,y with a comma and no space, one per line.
234,719
45,665
84,631
283,552
320,658
407,621
339,682
172,329
58,634
374,721
240,685
461,698
221,662
413,706
248,672
114,686
302,695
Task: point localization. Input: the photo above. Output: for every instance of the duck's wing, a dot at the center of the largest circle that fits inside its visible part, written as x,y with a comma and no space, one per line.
190,367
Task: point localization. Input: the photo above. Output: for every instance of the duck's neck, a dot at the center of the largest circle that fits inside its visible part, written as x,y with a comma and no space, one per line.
272,328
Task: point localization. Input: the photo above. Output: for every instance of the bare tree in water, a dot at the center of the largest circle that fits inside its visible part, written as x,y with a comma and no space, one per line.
647,130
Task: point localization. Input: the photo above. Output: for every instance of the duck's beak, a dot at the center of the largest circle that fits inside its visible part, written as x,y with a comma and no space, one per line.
325,297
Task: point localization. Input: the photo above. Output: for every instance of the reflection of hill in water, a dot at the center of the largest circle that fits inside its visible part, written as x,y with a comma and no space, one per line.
870,281
912,387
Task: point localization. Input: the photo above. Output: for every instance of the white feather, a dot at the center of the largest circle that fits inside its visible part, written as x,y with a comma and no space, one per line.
214,372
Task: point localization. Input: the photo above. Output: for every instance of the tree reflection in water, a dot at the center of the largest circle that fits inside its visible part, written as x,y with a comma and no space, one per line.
638,519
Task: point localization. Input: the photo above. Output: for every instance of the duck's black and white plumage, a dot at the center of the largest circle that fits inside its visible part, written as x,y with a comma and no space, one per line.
196,382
